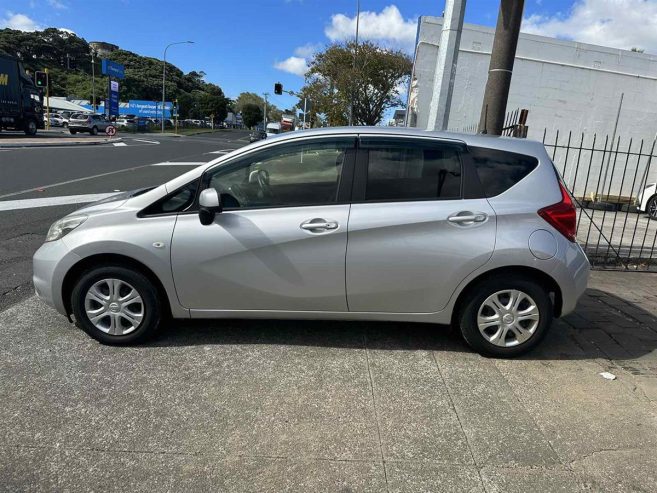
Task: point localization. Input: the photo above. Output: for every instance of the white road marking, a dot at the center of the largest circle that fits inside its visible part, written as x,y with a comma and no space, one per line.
147,141
12,205
119,144
220,152
179,163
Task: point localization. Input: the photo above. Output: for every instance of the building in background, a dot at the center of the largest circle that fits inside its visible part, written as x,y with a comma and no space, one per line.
565,85
102,48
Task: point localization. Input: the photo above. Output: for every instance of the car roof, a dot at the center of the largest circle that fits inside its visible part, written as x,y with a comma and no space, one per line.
512,144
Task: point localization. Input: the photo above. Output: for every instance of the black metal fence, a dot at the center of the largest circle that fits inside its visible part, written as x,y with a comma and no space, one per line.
515,124
607,176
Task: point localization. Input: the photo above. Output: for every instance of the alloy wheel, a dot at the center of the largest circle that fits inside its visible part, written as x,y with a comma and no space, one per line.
114,307
508,318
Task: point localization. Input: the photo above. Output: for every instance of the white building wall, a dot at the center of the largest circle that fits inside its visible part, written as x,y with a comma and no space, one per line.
566,86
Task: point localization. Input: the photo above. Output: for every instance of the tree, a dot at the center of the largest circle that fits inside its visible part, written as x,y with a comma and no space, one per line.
273,113
251,115
371,82
68,59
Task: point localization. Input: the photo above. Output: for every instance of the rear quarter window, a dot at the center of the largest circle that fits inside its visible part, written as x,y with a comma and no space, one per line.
500,170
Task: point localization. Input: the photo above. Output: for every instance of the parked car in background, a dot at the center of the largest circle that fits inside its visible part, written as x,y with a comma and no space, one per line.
365,223
647,200
257,135
55,120
126,123
90,123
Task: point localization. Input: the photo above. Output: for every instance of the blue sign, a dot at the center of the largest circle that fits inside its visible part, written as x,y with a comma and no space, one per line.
114,98
151,109
112,69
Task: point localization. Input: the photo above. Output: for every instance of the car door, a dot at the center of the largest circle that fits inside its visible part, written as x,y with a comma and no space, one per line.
280,241
412,235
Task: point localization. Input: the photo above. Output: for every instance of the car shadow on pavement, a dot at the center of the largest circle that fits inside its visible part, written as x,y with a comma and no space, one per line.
602,326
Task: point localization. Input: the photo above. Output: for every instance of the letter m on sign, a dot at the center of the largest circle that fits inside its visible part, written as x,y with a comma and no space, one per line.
4,79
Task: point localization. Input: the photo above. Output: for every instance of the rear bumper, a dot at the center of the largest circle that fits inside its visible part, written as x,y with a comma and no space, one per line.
573,277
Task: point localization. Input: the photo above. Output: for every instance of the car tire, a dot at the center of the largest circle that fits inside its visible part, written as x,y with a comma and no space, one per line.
98,306
506,330
73,132
651,208
30,127
93,131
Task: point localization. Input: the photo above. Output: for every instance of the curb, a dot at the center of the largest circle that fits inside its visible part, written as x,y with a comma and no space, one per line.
19,145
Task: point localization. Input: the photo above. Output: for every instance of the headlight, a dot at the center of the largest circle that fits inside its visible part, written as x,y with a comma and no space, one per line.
64,226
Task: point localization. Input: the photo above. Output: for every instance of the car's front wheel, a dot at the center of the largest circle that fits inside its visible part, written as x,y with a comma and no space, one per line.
115,305
94,131
506,316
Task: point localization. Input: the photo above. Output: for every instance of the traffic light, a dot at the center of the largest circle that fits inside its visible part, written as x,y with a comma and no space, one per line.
41,79
278,88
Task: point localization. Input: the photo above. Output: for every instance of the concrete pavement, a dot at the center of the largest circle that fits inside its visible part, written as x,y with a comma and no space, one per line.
333,406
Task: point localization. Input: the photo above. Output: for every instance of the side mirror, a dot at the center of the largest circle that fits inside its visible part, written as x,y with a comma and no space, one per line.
210,204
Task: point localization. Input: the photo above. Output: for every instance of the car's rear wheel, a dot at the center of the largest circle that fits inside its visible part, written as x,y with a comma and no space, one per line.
651,208
94,131
115,305
73,132
506,316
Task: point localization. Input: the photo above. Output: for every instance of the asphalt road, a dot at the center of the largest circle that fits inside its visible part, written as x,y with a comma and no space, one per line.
34,180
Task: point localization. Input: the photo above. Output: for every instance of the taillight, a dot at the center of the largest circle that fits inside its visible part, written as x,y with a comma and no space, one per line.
562,215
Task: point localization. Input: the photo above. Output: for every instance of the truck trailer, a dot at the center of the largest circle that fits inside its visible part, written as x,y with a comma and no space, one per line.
21,102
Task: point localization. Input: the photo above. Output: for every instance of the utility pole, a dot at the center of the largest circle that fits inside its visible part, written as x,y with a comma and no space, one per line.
351,103
264,118
93,81
448,54
47,99
501,66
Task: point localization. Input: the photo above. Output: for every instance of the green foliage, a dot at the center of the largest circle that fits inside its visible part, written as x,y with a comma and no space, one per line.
251,114
273,113
367,75
68,59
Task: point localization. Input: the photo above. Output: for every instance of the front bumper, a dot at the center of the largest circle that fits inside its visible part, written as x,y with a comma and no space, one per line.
50,264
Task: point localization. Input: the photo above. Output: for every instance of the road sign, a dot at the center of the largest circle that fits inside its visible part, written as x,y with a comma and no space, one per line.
114,98
111,130
112,69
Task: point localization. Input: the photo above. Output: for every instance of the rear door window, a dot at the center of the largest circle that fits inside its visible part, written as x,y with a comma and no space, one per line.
406,169
500,170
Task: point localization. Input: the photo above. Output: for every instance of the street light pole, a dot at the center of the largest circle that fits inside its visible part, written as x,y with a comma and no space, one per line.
164,73
264,118
351,103
93,80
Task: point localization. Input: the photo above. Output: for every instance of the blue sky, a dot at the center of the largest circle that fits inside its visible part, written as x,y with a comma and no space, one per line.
239,44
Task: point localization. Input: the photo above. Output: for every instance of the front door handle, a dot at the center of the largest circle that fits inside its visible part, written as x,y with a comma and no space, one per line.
467,217
318,224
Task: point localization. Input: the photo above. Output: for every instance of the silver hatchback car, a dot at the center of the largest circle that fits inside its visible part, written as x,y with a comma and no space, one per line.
344,223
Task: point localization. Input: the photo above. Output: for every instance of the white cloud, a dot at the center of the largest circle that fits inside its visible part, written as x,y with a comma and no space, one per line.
307,50
20,22
57,4
294,65
387,26
615,23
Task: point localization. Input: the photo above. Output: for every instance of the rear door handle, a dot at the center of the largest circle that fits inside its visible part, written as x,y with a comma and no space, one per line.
467,217
318,224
